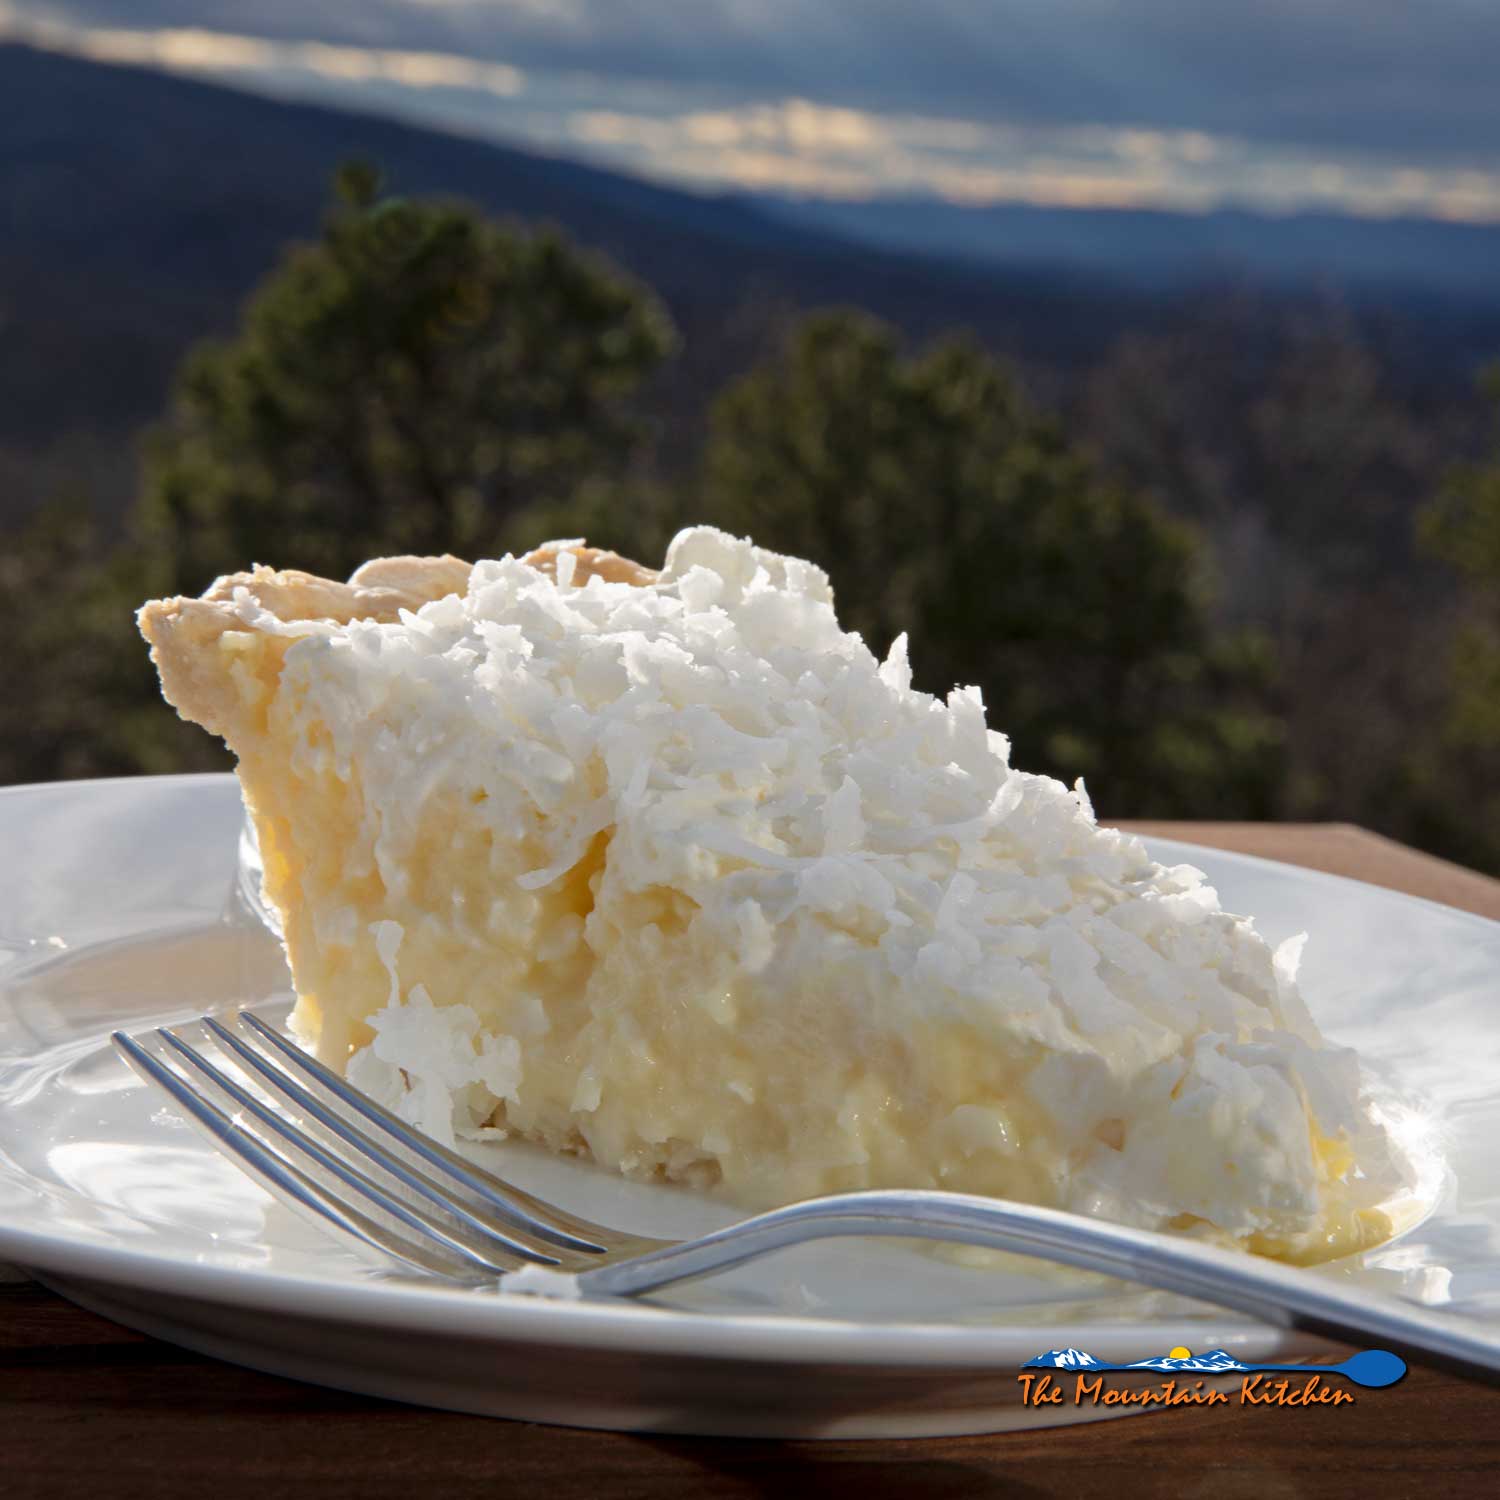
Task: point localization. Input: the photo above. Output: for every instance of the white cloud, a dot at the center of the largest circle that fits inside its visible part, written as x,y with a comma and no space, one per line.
796,145
196,50
800,144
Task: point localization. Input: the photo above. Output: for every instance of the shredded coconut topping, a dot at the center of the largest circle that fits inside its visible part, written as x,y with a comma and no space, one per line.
741,749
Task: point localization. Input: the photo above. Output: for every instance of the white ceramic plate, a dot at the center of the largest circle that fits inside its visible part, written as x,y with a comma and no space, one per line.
119,908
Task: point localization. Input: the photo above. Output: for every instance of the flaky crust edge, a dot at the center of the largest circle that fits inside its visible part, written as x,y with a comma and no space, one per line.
184,633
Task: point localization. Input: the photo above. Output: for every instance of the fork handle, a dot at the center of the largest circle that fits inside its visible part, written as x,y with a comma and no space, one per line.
1282,1295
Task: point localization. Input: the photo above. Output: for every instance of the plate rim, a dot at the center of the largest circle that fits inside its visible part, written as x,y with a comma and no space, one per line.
449,1312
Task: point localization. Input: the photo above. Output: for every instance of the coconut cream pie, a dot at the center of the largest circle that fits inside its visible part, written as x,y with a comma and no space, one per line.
667,868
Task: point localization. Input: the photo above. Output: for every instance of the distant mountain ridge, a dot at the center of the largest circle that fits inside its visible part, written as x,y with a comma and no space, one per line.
137,208
1159,248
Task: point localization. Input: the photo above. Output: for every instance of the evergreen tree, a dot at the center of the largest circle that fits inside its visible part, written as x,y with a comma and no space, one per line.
403,384
944,505
1454,770
1462,526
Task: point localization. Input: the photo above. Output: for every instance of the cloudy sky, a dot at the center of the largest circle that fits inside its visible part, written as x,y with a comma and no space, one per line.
1370,106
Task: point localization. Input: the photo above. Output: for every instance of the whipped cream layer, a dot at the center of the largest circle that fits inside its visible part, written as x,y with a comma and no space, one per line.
681,874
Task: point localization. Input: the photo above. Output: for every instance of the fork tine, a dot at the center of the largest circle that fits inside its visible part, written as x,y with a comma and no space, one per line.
418,1182
515,1206
287,1182
482,1254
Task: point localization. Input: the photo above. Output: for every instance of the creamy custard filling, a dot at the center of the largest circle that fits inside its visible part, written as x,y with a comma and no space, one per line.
669,869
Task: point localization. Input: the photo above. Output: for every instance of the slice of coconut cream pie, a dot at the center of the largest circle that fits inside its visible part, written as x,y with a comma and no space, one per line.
668,868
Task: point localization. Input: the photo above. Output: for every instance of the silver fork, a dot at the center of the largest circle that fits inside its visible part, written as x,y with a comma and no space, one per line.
432,1210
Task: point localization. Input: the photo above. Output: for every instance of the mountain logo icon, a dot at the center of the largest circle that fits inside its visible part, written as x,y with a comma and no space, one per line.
1063,1359
1214,1362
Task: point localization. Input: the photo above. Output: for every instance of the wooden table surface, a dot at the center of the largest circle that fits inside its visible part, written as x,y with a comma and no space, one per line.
87,1407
